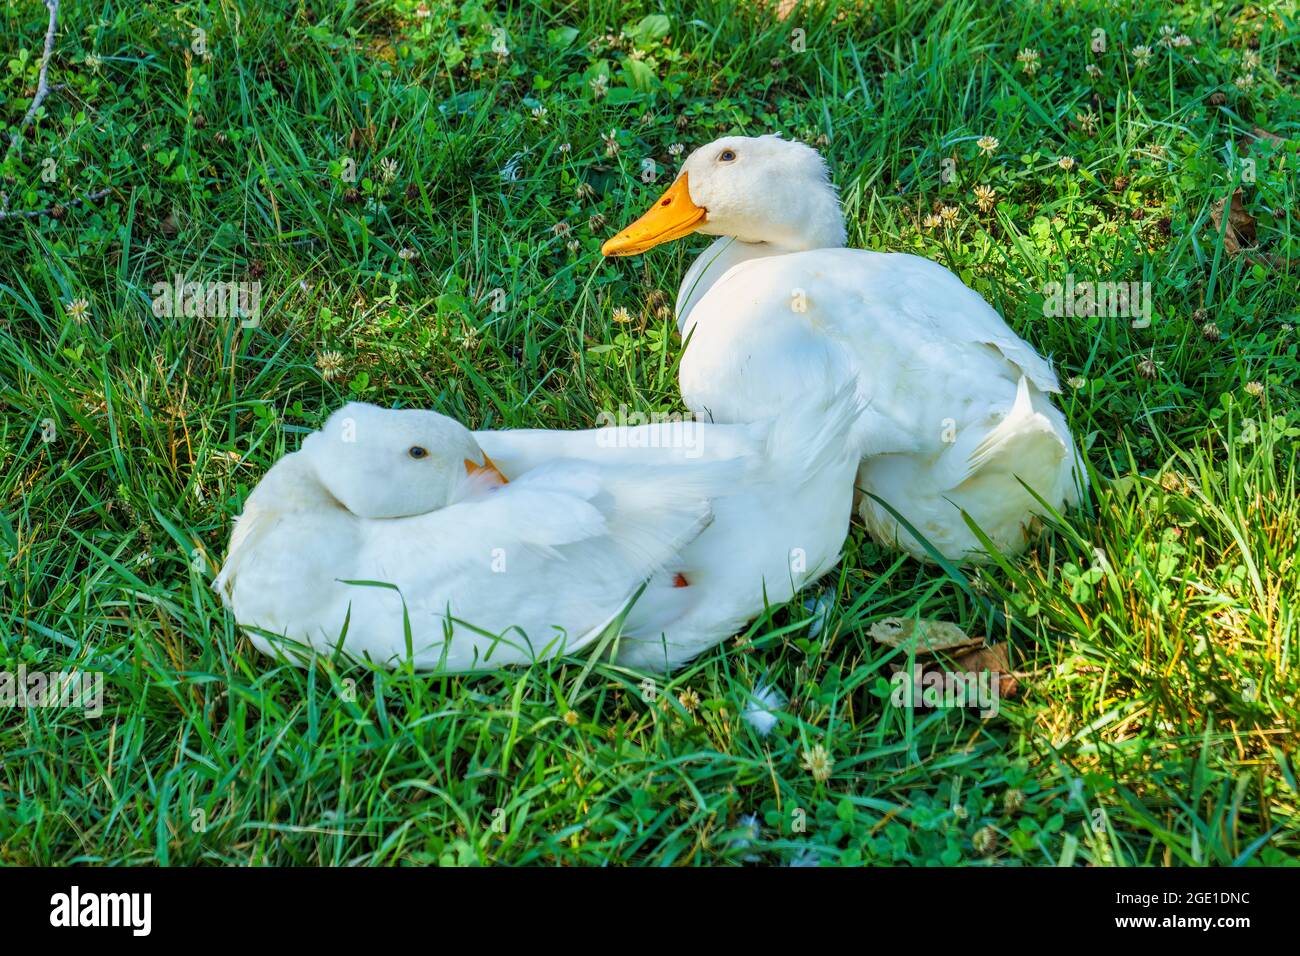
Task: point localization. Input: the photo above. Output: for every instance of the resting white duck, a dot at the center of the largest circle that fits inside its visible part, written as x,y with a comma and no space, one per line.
393,518
956,413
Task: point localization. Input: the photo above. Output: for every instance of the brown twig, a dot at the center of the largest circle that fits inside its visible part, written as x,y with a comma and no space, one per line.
34,213
304,241
42,79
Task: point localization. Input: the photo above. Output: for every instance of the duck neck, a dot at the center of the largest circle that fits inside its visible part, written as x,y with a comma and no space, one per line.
823,229
815,223
811,220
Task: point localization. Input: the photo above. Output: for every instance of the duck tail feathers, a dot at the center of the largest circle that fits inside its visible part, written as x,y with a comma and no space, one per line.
1030,442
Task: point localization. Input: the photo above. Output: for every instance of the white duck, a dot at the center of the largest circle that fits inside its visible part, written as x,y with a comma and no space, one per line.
392,520
955,407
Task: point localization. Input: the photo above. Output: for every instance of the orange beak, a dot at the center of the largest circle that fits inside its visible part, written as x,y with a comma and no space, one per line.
488,470
672,216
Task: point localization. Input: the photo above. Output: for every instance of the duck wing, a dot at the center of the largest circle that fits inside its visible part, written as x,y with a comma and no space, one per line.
923,347
533,568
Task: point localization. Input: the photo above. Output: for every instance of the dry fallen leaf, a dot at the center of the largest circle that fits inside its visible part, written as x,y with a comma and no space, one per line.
1257,133
973,664
1240,233
993,659
948,648
928,635
361,136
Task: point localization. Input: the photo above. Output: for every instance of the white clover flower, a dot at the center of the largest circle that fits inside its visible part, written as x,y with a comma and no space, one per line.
78,310
330,364
817,761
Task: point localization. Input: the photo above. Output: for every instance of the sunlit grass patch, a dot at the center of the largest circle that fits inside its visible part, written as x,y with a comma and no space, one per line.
424,213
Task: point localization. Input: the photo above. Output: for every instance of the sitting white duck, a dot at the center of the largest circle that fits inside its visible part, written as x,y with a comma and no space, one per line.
956,415
402,535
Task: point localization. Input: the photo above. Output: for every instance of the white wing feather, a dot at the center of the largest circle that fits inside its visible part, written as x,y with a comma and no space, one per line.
924,347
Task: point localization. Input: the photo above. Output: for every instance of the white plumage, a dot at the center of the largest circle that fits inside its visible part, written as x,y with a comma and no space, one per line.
355,529
956,413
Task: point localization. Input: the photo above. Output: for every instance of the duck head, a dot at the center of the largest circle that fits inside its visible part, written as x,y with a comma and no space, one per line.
393,463
759,189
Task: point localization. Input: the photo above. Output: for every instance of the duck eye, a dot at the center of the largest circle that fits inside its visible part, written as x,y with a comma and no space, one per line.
726,156
416,452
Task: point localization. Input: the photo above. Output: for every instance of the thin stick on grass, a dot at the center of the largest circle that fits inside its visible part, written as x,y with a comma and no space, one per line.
43,89
49,210
42,80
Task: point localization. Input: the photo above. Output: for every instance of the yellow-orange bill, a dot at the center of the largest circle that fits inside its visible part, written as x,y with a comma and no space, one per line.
488,470
672,216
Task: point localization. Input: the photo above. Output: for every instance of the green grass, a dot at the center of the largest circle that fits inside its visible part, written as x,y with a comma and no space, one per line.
1155,630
